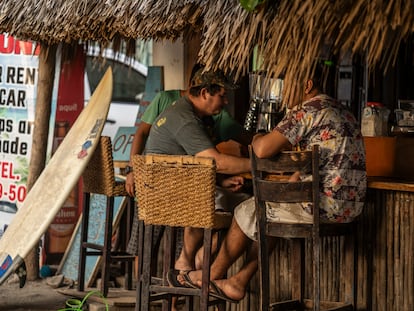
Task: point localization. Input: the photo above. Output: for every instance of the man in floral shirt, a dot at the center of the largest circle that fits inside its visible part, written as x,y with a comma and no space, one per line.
322,121
316,119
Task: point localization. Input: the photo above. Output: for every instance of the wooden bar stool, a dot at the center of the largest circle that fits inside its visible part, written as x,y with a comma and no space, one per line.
175,191
99,178
274,189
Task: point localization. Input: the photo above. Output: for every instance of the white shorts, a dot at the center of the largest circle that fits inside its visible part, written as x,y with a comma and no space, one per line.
245,215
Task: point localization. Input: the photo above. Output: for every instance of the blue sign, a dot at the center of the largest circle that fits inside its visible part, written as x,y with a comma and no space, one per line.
122,143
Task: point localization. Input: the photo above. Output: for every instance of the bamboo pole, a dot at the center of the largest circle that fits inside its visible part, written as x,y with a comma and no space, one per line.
410,271
406,255
380,258
47,60
397,258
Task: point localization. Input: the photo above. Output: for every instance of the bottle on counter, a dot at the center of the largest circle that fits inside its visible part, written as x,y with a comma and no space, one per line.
375,120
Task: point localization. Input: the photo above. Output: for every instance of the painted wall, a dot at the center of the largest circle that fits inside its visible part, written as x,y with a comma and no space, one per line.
170,55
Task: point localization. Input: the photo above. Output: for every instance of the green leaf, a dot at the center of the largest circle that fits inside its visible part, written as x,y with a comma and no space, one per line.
250,5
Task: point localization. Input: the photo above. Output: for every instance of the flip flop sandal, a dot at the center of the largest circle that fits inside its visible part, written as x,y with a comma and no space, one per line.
172,278
187,280
218,293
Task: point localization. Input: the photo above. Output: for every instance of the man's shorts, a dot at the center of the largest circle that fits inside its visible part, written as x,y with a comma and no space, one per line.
245,215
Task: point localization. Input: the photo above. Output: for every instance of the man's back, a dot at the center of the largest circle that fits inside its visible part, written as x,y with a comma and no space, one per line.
342,154
178,131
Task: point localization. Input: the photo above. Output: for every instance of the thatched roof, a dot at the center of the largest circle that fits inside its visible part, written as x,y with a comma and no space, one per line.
289,33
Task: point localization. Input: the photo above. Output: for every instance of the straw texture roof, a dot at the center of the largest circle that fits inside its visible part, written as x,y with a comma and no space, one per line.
289,33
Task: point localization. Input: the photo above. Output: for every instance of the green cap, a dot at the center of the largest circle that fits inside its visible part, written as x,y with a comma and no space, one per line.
204,78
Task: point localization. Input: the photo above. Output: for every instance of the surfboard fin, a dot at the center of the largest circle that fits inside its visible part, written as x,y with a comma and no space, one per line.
22,274
9,265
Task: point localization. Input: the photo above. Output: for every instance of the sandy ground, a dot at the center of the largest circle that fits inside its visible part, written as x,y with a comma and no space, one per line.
35,295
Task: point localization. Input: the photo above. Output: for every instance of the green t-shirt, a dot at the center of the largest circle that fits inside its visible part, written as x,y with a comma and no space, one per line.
224,128
161,101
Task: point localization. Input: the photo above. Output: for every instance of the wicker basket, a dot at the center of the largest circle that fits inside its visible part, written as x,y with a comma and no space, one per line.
175,190
99,176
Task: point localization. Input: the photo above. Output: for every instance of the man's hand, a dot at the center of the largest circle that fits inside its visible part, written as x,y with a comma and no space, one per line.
129,184
294,177
233,183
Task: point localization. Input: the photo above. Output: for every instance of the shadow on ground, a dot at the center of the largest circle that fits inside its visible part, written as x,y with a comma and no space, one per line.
35,295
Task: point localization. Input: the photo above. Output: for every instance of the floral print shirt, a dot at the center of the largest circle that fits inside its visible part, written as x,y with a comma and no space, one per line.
323,121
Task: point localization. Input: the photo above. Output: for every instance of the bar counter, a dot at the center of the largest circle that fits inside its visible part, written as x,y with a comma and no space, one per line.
389,183
385,238
389,242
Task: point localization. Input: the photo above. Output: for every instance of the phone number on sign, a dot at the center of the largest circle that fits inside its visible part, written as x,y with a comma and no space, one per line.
13,192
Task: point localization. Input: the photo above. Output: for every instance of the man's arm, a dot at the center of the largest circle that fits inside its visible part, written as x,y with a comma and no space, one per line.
270,144
140,138
138,145
226,164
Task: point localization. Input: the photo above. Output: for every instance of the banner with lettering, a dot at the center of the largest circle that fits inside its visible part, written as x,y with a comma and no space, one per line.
18,86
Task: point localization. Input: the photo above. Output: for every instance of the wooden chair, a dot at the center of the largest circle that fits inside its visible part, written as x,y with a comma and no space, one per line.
268,187
174,191
99,178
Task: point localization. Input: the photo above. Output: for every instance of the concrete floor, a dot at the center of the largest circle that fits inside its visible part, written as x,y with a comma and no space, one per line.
38,295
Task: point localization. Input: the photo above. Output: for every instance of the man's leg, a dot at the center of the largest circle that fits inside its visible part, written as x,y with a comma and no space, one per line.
232,247
235,286
199,258
192,241
225,200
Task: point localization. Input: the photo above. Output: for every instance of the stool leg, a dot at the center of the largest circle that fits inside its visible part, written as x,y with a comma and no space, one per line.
221,233
263,264
205,280
106,253
147,272
129,264
140,255
157,236
168,261
298,268
316,273
83,239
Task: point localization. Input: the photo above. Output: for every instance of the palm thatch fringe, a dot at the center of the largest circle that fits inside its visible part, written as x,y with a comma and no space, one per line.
290,34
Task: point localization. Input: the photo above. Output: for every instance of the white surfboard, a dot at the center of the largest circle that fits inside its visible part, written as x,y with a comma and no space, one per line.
51,189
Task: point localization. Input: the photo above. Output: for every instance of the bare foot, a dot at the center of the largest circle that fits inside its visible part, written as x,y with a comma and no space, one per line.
182,265
231,288
294,177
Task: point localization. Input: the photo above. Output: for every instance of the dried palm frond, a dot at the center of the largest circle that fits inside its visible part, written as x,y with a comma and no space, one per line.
290,34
